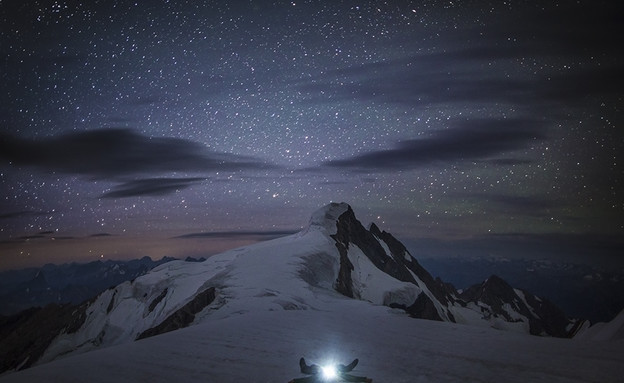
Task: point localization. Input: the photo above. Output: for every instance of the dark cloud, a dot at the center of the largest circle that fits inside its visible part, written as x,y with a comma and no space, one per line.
497,61
263,235
114,152
579,85
29,237
468,141
532,205
151,187
49,235
509,161
580,247
577,29
24,213
416,82
454,79
583,248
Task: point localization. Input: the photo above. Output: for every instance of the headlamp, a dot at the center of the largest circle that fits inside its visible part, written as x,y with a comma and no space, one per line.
329,372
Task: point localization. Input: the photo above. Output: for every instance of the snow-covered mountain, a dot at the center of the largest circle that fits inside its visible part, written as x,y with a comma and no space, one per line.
333,265
589,291
66,283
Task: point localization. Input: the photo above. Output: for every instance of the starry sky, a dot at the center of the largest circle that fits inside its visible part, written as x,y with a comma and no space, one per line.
131,128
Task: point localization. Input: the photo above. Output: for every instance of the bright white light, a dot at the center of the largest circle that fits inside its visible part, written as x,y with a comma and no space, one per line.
329,372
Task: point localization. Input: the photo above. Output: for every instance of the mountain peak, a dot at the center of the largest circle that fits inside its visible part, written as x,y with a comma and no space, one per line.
327,216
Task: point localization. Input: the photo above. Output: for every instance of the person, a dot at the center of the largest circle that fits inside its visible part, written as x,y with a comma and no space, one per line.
315,375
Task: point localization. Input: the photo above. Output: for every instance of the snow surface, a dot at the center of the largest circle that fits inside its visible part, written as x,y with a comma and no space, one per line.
377,287
326,217
275,303
265,347
613,330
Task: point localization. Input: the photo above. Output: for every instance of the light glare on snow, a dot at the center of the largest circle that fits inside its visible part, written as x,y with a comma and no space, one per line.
329,371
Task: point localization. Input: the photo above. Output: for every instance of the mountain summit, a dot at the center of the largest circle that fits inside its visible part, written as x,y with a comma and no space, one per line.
333,263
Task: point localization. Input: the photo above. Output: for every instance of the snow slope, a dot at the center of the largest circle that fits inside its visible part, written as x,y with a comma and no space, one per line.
296,272
275,275
613,330
265,347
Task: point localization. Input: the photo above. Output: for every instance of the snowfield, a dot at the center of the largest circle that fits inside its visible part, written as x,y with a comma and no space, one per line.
275,303
601,331
266,346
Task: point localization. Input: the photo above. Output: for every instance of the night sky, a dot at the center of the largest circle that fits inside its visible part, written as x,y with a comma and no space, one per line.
132,128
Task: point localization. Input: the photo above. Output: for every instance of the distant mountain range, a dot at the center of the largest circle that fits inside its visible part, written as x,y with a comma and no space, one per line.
582,291
68,283
335,260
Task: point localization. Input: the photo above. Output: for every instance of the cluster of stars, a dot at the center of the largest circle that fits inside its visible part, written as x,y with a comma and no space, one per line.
298,87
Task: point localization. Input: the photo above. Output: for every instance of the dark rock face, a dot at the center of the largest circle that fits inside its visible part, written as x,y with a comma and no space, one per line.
544,317
494,292
344,283
111,304
495,296
25,336
402,255
398,264
550,319
157,300
350,230
423,308
184,316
